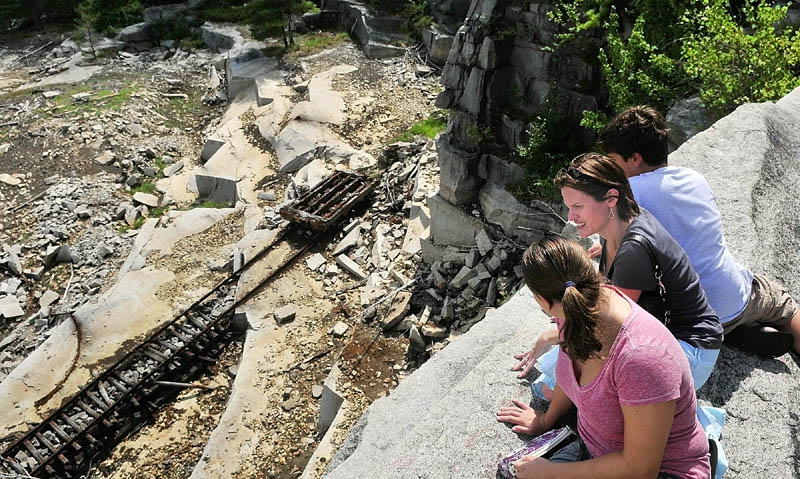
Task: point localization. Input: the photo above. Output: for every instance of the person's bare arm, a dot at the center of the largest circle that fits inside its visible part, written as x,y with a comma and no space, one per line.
528,358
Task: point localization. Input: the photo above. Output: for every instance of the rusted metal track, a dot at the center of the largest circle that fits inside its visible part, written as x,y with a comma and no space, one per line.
324,205
125,396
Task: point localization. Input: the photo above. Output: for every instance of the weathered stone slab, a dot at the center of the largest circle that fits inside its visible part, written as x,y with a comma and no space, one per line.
146,199
351,267
398,310
284,314
245,64
459,182
219,190
499,206
211,146
438,45
301,141
450,225
325,105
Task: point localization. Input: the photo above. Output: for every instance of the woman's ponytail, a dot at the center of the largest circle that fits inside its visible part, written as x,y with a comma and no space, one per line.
560,270
581,312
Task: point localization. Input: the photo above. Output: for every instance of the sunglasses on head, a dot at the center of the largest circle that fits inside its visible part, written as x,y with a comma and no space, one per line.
574,173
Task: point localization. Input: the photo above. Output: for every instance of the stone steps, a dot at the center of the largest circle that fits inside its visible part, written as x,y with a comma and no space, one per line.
440,421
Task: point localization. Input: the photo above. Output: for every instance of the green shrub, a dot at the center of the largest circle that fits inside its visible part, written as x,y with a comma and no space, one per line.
477,134
637,71
729,54
430,127
436,122
119,13
736,64
550,146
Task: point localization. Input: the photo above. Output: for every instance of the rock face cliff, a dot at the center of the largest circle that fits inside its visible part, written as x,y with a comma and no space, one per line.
501,73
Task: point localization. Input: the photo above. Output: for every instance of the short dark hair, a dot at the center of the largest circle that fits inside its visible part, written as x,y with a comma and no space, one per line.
595,174
637,129
558,269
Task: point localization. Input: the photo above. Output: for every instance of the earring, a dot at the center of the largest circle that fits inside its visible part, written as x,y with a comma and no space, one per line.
610,213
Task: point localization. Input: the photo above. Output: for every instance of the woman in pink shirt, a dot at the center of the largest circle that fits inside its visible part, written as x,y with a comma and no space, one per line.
621,368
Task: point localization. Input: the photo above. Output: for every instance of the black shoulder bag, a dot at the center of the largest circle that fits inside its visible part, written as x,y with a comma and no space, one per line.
653,302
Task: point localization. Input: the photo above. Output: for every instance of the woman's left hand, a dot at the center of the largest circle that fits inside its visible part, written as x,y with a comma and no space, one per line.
533,467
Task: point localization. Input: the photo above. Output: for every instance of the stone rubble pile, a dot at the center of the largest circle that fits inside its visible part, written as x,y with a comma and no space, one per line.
74,224
373,254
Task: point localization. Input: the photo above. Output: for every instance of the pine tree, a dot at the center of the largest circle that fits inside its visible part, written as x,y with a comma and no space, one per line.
87,14
283,11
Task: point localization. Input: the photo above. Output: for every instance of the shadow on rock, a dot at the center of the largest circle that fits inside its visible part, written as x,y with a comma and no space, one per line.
732,368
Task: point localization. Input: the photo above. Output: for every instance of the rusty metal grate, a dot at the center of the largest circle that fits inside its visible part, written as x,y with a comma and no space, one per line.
323,206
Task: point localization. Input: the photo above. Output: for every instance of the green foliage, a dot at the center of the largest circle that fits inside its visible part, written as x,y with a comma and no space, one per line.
99,101
308,44
160,165
418,13
730,52
178,29
266,18
117,14
594,120
737,63
137,223
213,204
550,146
578,16
637,71
87,15
35,13
430,127
477,134
157,212
145,187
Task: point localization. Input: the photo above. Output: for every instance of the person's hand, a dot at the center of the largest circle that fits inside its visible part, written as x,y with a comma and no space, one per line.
528,358
595,250
527,420
528,467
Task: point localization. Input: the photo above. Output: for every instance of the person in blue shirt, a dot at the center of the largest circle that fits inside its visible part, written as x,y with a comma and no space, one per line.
757,313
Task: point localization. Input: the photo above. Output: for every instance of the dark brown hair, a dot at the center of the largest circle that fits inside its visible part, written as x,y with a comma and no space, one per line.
548,265
595,174
637,129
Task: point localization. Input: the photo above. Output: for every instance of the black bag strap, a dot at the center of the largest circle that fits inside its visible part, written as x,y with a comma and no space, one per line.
657,272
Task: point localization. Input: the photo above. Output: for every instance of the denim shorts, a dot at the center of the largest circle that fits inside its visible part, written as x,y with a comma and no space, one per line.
701,363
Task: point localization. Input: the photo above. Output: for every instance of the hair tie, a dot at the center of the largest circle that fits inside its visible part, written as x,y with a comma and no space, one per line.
568,284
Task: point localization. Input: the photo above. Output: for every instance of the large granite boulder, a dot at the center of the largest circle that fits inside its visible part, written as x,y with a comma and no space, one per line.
138,32
220,37
686,118
440,421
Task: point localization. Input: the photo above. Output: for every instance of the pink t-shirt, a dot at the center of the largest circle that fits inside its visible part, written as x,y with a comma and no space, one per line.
644,366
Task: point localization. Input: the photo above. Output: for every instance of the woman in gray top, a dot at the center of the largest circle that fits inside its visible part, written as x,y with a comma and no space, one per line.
636,251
